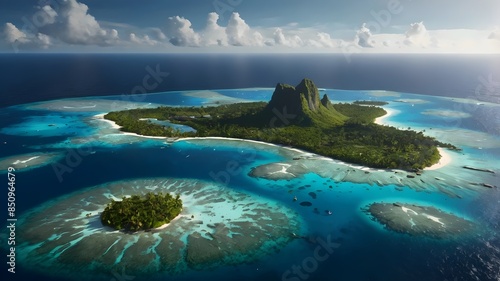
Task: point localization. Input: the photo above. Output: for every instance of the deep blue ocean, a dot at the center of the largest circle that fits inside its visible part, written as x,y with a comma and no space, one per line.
35,77
367,252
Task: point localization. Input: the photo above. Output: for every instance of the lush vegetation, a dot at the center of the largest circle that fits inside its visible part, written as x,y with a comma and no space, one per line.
359,114
141,213
358,140
370,102
296,116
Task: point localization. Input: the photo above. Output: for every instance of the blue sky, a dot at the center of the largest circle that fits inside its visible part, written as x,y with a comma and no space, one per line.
361,26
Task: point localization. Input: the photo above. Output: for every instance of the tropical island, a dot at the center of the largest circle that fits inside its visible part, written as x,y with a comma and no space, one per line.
297,117
136,213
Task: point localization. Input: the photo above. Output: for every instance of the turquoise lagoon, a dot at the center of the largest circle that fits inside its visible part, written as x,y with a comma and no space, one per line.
253,228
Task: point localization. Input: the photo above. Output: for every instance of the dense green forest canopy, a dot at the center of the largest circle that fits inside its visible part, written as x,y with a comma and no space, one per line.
141,212
340,131
370,102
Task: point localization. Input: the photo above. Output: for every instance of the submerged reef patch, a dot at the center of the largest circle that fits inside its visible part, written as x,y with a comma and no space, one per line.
447,113
451,180
29,161
217,226
419,220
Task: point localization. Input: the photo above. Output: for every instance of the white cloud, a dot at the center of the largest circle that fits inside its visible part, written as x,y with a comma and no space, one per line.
158,34
495,35
13,34
49,15
69,23
364,37
144,40
239,33
181,33
43,40
417,35
325,40
151,36
281,39
214,34
16,38
73,24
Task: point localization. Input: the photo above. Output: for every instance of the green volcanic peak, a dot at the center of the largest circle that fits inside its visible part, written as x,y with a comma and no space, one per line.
303,102
325,101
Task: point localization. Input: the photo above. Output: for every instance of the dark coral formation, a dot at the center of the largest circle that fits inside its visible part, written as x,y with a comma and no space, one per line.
419,220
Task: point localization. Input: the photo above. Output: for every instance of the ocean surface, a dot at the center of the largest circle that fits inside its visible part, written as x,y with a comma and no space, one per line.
34,77
49,106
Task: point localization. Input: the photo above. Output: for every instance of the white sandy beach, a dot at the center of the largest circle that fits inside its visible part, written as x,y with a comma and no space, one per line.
101,117
117,127
381,120
445,160
445,156
245,140
167,224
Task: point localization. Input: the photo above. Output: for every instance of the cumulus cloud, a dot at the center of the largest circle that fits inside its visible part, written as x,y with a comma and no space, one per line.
158,34
72,23
239,33
49,15
181,33
13,34
17,38
325,40
143,40
279,37
214,34
151,36
288,41
68,22
495,35
417,35
363,37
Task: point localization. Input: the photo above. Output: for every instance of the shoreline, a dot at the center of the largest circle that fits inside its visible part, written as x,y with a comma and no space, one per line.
445,155
247,140
381,120
443,161
167,224
118,127
113,124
